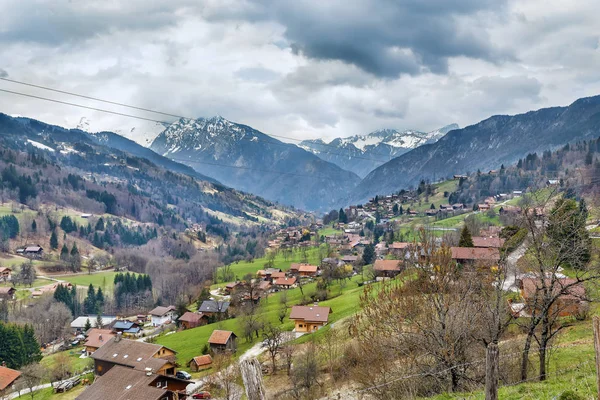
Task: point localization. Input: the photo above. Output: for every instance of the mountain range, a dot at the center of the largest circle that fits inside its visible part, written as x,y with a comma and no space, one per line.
361,154
500,139
249,160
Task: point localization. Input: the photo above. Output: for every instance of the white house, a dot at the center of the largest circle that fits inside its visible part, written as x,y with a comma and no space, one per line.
162,315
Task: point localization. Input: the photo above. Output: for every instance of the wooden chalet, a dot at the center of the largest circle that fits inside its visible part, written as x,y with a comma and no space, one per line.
96,338
471,255
200,363
387,268
222,341
133,354
191,320
309,318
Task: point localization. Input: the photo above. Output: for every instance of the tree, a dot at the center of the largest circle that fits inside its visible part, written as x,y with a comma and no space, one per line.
466,240
305,371
432,206
90,304
26,274
53,241
87,326
100,224
33,226
273,339
99,323
31,376
369,254
554,242
99,300
64,253
343,218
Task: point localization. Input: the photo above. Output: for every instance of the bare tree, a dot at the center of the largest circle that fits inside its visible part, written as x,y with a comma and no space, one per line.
273,340
287,352
32,376
226,375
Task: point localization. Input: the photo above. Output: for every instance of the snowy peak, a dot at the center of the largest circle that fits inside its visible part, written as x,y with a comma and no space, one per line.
374,148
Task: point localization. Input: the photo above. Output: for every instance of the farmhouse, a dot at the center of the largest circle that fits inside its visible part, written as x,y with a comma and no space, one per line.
470,255
79,323
212,307
387,268
126,327
162,315
308,270
285,282
5,274
200,363
7,293
96,338
309,318
221,341
127,383
133,354
191,320
572,299
7,379
33,251
491,242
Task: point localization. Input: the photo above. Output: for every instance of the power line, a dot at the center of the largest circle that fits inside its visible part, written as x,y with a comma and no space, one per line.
387,156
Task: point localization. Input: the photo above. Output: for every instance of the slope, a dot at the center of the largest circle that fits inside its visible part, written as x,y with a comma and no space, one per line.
500,139
244,158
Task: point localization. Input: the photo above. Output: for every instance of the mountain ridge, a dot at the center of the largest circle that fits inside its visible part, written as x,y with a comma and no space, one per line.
486,145
363,153
249,160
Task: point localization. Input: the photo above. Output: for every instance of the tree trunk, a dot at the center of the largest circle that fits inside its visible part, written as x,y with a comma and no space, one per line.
252,377
544,342
491,372
525,359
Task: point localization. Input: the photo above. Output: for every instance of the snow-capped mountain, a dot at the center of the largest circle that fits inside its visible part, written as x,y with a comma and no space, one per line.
246,159
363,153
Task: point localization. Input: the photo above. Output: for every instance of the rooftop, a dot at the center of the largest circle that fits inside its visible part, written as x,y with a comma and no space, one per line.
310,313
7,377
220,337
475,253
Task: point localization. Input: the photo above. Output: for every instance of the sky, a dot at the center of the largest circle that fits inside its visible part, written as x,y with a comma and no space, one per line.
298,68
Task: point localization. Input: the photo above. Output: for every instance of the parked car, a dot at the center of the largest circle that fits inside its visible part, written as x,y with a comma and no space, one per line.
183,375
202,395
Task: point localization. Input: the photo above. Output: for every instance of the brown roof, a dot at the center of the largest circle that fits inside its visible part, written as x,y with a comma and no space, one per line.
285,281
475,253
220,337
295,266
7,377
479,241
310,313
202,360
399,245
308,268
277,275
160,310
349,258
97,337
232,285
190,317
386,265
264,285
130,353
7,290
2,269
577,291
121,383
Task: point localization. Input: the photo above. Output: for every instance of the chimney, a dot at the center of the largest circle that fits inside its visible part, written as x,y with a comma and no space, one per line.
118,337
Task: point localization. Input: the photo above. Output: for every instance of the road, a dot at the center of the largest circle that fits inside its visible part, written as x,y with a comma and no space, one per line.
511,266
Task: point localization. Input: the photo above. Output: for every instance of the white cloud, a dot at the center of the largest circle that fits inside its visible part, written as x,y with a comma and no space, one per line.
255,67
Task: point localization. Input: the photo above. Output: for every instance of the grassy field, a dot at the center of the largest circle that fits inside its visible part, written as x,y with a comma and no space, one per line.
45,394
77,364
242,268
105,280
329,231
189,343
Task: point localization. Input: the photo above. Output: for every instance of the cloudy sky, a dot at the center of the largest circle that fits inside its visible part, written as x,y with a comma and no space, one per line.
299,68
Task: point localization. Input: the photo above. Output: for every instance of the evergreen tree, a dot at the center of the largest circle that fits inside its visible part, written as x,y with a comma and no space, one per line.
64,253
466,240
53,241
369,254
88,325
567,233
342,216
75,306
432,206
74,250
34,226
100,224
31,346
90,304
400,211
99,300
99,322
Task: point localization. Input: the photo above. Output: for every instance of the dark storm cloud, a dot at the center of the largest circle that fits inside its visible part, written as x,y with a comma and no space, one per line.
60,22
386,37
